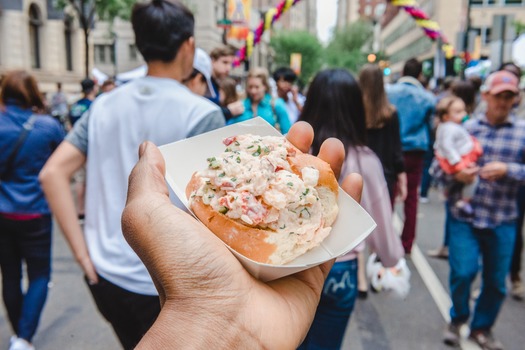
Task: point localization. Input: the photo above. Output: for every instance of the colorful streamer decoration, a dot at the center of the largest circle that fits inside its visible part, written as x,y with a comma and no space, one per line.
430,27
254,37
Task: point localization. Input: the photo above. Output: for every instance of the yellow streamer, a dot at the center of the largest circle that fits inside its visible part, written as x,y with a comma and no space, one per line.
287,5
425,23
269,17
249,44
404,3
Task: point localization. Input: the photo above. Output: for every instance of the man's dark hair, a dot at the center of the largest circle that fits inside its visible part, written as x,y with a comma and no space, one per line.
87,85
161,27
285,73
511,67
222,51
412,68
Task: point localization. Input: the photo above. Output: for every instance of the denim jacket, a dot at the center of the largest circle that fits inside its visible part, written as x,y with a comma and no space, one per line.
265,111
415,107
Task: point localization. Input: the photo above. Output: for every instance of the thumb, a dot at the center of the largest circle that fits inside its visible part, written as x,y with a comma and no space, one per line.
147,177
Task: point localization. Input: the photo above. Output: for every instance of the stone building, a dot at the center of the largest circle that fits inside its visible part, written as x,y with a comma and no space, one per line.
402,39
50,44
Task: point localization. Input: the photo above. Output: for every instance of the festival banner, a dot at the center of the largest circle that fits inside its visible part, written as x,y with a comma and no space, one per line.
239,15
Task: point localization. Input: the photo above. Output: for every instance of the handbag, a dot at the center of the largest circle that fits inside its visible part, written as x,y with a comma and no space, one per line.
27,127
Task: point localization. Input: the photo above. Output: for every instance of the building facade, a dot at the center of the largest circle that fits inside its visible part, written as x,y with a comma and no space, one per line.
349,11
50,43
401,39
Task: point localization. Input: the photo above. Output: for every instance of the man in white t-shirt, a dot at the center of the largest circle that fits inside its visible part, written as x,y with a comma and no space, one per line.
157,108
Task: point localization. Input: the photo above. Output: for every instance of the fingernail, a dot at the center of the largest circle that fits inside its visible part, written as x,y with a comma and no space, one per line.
142,148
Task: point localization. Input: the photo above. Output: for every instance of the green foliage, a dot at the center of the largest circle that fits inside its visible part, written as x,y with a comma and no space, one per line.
106,10
520,27
286,43
346,47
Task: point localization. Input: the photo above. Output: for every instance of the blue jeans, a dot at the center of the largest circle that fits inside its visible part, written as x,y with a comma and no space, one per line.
466,246
28,241
334,310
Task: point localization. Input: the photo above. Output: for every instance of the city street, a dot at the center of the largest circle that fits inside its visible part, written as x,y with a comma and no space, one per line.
381,322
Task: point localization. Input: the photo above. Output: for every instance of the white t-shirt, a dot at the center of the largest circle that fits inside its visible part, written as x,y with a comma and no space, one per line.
452,142
291,107
155,109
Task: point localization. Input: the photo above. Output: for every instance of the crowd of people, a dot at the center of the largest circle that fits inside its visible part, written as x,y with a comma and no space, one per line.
385,142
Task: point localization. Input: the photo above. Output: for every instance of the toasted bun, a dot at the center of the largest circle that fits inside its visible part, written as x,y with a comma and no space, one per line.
266,245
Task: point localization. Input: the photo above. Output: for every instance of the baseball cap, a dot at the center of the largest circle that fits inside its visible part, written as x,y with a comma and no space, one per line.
499,82
202,63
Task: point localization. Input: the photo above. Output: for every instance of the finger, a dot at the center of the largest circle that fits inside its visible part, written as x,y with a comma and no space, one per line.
147,176
353,185
332,151
301,135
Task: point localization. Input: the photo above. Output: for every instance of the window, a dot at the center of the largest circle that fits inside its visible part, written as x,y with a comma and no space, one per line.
133,52
100,54
476,2
35,22
68,29
104,54
514,2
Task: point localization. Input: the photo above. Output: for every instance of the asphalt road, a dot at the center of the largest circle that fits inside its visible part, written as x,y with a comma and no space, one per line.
381,322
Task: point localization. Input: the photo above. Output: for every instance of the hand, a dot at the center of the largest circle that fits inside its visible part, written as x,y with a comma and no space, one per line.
493,171
236,108
467,175
207,296
401,193
89,269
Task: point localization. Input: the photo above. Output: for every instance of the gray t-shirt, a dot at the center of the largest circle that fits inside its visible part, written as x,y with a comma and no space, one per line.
78,136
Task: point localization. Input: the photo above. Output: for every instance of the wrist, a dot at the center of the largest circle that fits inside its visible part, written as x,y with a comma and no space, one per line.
180,326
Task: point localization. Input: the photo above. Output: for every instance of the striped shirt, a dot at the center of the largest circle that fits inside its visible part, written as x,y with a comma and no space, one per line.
494,202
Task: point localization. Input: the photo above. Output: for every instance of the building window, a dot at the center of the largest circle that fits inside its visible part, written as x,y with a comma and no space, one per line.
68,32
514,2
104,54
476,2
35,22
133,52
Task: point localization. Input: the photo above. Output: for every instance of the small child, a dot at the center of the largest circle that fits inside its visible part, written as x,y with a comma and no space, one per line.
455,148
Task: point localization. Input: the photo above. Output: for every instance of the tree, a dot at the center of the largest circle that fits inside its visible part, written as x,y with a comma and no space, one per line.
286,43
346,47
87,10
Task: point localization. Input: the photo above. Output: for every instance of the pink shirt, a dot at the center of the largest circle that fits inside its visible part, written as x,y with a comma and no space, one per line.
376,201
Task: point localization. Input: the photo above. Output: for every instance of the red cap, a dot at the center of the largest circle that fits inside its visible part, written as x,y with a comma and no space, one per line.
501,81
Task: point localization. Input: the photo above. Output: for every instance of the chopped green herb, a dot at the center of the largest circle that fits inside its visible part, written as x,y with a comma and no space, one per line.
306,192
250,146
211,196
221,174
223,210
213,163
282,227
258,152
234,179
305,213
248,181
238,160
290,184
236,143
228,149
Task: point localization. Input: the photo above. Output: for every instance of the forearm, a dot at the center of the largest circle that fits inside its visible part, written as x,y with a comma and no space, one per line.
61,201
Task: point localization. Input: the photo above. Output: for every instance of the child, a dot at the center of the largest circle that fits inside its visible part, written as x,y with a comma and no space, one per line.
227,91
455,148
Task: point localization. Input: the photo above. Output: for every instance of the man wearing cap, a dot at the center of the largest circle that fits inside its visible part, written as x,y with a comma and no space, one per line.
199,82
489,233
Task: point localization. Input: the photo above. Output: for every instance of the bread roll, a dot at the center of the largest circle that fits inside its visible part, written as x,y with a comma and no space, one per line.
265,199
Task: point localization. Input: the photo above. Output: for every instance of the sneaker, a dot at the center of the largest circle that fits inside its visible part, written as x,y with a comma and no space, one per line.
424,200
517,290
21,344
452,336
440,253
485,340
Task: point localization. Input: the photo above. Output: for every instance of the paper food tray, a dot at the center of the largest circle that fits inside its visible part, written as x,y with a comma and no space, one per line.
184,157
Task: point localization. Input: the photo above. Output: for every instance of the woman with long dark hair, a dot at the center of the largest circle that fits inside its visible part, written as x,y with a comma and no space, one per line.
382,126
334,108
27,139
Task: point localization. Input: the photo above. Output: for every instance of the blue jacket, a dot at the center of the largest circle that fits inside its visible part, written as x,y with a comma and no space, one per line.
21,192
415,107
265,111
